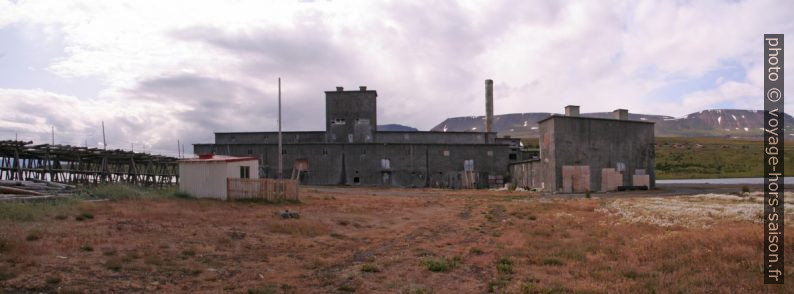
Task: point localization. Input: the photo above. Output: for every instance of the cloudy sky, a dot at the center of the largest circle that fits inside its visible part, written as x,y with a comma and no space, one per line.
160,71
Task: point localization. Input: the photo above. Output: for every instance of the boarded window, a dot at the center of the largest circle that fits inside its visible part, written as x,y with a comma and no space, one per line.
350,138
468,165
446,152
620,167
245,172
385,163
489,153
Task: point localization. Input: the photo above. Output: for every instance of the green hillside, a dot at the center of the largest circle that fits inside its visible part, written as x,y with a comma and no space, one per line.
692,158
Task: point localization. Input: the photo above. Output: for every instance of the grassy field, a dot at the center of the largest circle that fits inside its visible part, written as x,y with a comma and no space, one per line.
386,241
702,158
687,158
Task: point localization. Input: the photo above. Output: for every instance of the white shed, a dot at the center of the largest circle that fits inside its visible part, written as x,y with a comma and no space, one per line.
205,177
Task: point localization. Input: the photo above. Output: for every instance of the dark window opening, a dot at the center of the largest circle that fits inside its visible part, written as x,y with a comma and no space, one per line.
250,151
283,151
325,151
356,172
513,156
356,180
245,172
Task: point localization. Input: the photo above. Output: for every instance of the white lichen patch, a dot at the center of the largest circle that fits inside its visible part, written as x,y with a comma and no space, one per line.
701,210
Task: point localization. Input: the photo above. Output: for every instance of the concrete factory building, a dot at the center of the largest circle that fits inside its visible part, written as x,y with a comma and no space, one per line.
351,151
579,154
574,154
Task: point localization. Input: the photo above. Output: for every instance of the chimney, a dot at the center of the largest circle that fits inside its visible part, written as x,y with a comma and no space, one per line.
339,89
489,105
362,88
572,110
621,114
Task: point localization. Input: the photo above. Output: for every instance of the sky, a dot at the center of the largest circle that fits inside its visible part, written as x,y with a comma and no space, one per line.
159,72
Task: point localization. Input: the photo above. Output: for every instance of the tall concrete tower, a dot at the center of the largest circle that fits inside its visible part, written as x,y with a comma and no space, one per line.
489,105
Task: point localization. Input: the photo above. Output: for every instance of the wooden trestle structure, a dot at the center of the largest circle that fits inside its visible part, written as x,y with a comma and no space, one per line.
21,160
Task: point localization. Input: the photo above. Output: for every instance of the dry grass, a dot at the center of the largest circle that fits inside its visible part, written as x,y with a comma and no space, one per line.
387,241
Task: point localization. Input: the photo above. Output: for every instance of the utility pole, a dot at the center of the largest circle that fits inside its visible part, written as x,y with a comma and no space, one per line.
104,141
178,152
132,148
280,157
53,134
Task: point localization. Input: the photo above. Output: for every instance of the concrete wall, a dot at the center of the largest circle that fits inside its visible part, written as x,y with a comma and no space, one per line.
435,137
627,146
351,116
410,165
269,137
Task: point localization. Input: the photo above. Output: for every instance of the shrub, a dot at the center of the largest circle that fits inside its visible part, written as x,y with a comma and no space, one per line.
745,189
587,193
552,262
33,236
86,248
443,264
182,195
5,274
504,265
270,289
52,280
475,251
370,268
113,264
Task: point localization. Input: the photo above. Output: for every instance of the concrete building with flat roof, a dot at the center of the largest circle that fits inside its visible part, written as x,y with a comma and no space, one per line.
579,154
351,151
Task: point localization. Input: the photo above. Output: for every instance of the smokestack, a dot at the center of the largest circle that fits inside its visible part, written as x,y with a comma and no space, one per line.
340,89
621,114
572,110
489,105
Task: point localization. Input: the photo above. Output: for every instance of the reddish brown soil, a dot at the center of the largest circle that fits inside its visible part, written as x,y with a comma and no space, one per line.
555,245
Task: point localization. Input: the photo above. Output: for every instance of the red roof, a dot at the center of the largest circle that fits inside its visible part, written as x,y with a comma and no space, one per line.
217,159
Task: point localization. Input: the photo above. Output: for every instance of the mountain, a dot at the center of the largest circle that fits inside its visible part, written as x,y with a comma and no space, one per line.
396,128
707,123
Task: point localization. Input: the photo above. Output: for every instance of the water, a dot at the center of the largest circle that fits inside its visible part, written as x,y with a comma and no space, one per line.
748,181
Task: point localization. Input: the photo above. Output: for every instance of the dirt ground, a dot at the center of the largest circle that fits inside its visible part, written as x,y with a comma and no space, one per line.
368,240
